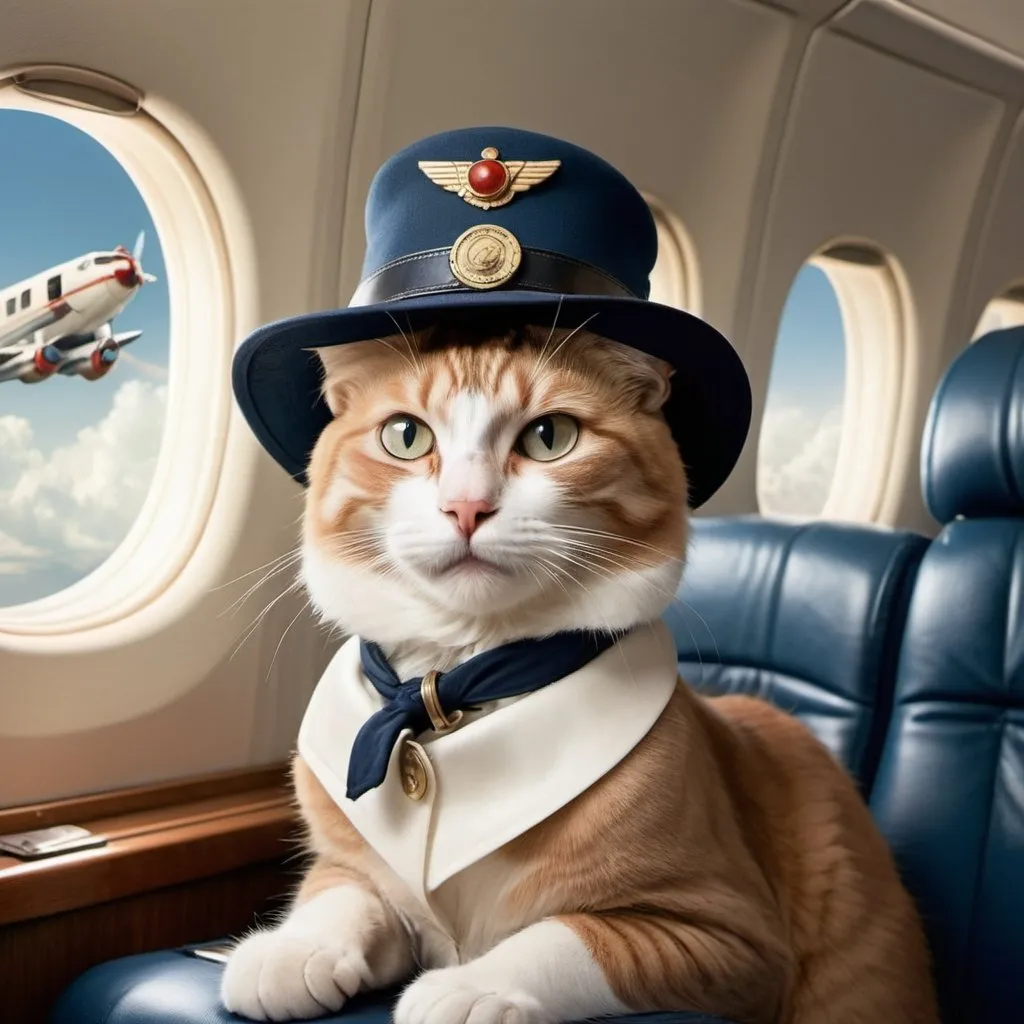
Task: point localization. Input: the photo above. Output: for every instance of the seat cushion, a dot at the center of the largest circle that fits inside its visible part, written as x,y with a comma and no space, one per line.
807,616
949,795
174,987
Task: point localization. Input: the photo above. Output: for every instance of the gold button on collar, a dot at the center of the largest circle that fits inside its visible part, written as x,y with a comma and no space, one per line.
412,763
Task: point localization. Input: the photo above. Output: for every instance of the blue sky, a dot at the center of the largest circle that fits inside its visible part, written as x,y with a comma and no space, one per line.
62,194
76,456
808,367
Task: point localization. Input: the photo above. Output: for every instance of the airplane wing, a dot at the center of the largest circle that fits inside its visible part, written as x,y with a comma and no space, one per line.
24,331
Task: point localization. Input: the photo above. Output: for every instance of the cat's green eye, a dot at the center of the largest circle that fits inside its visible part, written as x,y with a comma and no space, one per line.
549,437
406,437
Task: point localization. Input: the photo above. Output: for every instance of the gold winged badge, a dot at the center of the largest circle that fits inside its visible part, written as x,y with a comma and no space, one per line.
489,181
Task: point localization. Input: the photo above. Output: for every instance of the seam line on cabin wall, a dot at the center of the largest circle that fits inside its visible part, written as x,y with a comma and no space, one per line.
766,186
983,211
332,274
762,198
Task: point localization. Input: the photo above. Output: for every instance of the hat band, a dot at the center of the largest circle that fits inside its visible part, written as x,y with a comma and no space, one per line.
430,273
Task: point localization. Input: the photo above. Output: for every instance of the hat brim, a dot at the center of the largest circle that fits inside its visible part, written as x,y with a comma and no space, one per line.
277,379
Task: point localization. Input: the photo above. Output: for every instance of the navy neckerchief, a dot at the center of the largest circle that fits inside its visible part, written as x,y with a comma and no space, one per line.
507,671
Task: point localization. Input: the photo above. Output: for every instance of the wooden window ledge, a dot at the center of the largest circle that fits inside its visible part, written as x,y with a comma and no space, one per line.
157,836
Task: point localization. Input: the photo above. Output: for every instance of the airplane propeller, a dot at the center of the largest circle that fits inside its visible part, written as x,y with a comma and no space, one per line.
136,255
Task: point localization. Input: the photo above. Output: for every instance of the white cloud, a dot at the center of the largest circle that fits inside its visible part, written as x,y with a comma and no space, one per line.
11,547
796,459
70,507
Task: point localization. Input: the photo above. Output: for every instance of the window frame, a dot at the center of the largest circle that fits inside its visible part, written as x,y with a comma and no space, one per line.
880,344
143,582
1008,305
681,267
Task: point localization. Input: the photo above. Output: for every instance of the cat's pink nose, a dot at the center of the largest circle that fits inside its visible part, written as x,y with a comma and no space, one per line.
468,515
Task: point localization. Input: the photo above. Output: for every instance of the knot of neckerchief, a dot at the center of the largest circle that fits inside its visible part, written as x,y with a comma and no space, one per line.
507,671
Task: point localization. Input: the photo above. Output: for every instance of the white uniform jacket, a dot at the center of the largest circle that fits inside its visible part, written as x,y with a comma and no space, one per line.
493,777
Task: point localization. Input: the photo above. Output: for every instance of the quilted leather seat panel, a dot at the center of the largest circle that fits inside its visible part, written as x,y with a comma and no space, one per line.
949,795
807,616
972,458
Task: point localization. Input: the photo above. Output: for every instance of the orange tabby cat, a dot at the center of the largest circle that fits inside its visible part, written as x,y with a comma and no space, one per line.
725,863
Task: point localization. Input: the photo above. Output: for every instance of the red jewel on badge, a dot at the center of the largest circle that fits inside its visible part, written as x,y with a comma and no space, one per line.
487,177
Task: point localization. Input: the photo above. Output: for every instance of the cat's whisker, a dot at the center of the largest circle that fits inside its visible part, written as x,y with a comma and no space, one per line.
398,352
626,568
273,561
597,551
547,341
616,537
586,566
417,365
595,604
704,622
238,602
262,615
270,667
558,348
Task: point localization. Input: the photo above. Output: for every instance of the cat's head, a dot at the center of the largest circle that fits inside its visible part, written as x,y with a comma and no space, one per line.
476,487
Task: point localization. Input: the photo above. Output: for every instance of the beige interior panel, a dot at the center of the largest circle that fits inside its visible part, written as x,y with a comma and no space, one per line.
1000,259
765,151
880,151
676,93
1000,22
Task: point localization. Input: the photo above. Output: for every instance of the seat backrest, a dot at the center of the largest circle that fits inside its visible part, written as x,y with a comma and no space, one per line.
807,616
949,794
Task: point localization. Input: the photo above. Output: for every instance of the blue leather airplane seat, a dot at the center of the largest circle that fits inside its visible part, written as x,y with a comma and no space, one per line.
175,987
949,794
808,616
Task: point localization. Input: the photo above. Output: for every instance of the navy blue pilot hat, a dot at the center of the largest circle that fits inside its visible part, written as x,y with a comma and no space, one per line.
516,228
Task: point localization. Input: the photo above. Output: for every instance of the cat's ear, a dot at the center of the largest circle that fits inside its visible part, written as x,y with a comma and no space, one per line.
335,360
645,378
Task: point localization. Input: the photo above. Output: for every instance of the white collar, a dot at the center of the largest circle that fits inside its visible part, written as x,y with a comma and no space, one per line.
496,776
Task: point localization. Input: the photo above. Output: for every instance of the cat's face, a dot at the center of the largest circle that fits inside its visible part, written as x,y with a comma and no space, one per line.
478,488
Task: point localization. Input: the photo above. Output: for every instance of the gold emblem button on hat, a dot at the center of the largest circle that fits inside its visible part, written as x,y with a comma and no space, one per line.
412,764
485,256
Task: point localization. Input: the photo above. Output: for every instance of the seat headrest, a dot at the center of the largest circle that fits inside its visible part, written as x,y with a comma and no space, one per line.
972,457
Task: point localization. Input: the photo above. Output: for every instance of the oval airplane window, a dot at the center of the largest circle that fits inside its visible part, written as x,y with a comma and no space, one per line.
83,364
102,509
799,441
674,279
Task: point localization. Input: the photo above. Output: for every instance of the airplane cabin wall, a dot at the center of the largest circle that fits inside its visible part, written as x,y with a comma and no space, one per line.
769,130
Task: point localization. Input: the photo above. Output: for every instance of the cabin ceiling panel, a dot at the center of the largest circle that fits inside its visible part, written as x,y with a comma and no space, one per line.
271,101
676,93
879,150
917,36
1000,22
882,151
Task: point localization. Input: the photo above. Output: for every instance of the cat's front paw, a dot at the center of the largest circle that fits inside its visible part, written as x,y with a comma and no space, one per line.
281,975
460,995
